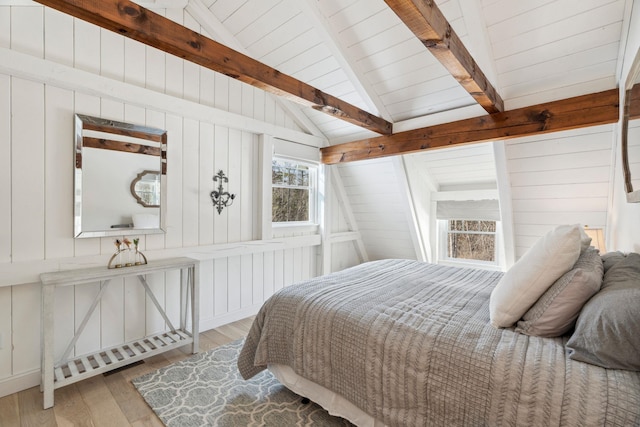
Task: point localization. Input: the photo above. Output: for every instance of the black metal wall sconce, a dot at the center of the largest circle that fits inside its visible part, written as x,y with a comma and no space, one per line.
220,198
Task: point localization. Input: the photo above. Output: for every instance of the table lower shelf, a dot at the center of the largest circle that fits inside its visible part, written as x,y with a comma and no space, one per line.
105,360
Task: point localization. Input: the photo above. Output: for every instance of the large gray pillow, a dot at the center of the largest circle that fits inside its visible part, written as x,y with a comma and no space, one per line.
555,313
610,259
607,332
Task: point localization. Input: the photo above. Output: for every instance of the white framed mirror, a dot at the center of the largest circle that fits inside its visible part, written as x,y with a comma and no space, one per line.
114,162
631,133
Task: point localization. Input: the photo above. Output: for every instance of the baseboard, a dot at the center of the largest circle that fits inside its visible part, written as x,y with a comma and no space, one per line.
19,382
30,379
223,319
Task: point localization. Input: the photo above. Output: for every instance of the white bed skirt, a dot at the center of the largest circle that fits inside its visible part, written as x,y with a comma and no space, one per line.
332,402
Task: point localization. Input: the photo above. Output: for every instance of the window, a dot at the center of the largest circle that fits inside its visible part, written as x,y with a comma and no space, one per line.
293,191
471,240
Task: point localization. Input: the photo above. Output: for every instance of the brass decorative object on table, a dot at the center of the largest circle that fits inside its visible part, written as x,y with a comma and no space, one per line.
125,256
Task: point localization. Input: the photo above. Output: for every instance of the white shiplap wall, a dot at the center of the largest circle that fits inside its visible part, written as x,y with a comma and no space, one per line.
377,197
559,178
238,272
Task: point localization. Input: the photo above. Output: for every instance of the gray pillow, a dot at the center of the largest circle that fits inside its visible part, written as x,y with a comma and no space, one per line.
607,332
555,313
610,259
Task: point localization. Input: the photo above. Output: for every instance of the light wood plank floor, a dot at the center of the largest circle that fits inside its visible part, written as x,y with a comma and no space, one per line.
106,400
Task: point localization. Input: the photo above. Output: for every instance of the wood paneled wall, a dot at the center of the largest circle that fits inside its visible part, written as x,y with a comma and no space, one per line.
559,178
376,195
238,271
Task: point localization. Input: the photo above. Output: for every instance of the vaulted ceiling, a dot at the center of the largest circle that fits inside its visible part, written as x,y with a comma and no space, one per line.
372,67
363,53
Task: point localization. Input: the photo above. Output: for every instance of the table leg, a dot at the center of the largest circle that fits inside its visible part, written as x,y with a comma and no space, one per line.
46,381
195,307
184,286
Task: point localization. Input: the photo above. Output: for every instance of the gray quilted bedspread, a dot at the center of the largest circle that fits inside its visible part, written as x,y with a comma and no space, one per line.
410,343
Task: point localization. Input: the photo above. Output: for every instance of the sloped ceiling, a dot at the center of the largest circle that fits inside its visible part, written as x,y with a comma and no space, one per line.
362,53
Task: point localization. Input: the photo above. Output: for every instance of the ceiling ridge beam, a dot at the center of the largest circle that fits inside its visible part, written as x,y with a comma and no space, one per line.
131,20
571,113
216,29
428,23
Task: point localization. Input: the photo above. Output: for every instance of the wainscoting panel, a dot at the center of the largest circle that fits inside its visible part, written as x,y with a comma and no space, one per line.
27,170
6,315
5,168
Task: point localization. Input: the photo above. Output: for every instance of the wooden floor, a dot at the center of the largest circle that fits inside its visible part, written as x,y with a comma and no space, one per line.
105,400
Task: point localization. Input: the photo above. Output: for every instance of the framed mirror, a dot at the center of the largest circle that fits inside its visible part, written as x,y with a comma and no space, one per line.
120,178
631,133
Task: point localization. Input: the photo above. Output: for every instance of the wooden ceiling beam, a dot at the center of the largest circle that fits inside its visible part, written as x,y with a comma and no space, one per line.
133,21
428,23
581,111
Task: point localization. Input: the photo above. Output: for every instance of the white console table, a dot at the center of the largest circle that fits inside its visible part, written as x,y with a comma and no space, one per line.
67,370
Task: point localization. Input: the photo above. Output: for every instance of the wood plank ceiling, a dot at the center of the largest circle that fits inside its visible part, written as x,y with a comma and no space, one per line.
358,61
428,23
136,22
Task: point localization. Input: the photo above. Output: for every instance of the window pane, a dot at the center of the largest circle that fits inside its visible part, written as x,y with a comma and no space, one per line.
277,173
289,176
290,204
287,173
303,176
479,247
466,225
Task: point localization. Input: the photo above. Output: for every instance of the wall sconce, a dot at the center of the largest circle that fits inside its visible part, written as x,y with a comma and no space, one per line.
597,238
219,197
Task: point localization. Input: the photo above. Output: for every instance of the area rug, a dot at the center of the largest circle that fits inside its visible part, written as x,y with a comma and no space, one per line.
207,390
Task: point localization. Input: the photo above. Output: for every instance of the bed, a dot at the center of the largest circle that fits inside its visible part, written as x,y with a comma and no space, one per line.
402,343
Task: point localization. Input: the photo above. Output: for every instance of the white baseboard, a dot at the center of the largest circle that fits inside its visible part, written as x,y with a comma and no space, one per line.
223,319
19,382
30,379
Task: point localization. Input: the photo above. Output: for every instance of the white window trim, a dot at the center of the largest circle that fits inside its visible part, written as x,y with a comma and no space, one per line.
286,228
442,258
312,224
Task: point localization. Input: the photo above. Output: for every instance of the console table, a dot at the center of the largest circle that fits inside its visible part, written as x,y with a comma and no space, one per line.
67,370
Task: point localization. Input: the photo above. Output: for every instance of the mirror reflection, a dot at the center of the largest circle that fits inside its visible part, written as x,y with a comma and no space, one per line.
145,188
115,161
631,133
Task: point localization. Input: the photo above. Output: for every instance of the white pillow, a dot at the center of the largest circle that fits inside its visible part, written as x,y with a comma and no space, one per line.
549,258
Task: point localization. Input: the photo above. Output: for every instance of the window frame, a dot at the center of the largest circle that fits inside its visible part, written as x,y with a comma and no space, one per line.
443,238
313,193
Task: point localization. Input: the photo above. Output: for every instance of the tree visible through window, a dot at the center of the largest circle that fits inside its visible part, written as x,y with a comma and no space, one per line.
292,184
474,240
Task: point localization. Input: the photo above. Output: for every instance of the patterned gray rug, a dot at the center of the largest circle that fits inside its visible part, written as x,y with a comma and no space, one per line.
207,390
